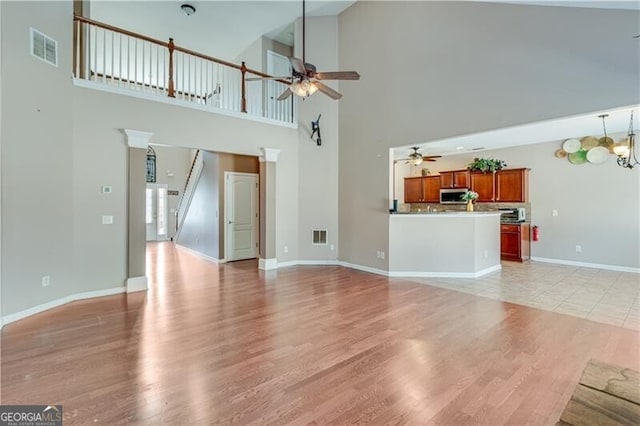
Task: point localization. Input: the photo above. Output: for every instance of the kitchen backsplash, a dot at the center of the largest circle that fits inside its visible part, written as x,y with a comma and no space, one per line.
479,207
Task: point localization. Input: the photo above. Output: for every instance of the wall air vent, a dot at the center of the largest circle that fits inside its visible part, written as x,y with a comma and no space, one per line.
44,47
319,237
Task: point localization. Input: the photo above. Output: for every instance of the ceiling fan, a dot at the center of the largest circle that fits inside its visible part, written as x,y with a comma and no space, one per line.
415,158
305,79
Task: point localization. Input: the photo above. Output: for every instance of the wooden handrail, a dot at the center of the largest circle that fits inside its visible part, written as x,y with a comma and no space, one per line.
175,48
119,30
193,165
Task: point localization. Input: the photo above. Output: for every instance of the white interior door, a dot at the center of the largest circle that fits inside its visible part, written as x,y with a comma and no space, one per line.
157,214
241,216
277,65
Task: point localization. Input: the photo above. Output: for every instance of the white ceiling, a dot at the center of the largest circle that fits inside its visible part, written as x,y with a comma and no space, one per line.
617,124
222,29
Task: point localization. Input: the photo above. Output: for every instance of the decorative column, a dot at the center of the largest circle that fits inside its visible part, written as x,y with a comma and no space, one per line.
138,142
268,160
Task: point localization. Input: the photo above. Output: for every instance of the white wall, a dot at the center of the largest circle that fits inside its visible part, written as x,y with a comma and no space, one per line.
318,173
431,70
37,184
200,229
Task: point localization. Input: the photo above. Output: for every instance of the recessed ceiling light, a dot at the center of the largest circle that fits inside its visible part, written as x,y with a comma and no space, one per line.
459,148
188,9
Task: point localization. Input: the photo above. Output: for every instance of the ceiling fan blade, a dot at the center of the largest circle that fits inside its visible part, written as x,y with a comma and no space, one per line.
297,65
327,90
268,78
338,75
428,157
284,95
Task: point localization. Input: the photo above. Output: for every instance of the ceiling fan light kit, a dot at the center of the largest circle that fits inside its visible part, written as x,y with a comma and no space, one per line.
305,79
303,88
415,158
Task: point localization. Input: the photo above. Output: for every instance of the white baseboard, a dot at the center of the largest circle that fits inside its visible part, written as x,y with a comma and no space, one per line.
308,263
137,284
364,268
268,264
7,319
477,274
587,265
199,254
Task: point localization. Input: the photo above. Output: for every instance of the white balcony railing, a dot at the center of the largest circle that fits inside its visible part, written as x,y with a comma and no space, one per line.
113,56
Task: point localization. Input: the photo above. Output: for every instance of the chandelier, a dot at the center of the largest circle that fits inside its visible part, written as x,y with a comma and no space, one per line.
626,151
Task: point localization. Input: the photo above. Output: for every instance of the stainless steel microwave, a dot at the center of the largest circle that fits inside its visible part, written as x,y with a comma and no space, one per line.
453,196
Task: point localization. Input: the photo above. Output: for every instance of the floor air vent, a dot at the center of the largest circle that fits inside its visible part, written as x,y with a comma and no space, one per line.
320,237
44,47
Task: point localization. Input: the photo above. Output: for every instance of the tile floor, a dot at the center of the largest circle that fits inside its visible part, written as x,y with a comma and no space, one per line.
598,295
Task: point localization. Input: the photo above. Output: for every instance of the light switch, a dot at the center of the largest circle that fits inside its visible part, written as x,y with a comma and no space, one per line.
107,220
554,212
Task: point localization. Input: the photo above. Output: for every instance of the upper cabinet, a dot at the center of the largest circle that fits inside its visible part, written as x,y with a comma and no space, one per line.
412,190
484,185
431,189
503,186
422,189
454,179
512,186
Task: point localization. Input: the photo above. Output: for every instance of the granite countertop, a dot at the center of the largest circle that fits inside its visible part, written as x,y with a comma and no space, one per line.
448,213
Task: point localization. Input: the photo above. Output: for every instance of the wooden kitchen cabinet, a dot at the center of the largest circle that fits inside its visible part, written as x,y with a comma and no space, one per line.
515,242
431,189
503,186
454,179
484,185
512,186
422,189
413,190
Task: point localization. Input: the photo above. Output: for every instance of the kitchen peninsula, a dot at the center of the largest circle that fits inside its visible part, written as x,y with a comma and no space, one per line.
444,244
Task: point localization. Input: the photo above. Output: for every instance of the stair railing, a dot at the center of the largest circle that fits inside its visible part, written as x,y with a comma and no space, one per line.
114,56
187,195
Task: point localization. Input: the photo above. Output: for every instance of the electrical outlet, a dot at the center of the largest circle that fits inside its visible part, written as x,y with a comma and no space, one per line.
107,220
332,247
106,190
554,213
46,280
486,254
578,249
285,249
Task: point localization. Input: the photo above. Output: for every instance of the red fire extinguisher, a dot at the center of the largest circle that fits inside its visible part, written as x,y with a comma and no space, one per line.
536,233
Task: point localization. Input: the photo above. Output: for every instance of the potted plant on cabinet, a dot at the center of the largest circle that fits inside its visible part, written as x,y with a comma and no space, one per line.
486,165
470,197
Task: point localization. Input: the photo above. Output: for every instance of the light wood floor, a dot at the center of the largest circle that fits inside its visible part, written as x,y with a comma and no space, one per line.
228,344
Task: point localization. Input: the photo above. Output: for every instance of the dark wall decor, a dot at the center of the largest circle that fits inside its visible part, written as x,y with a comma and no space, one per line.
151,165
